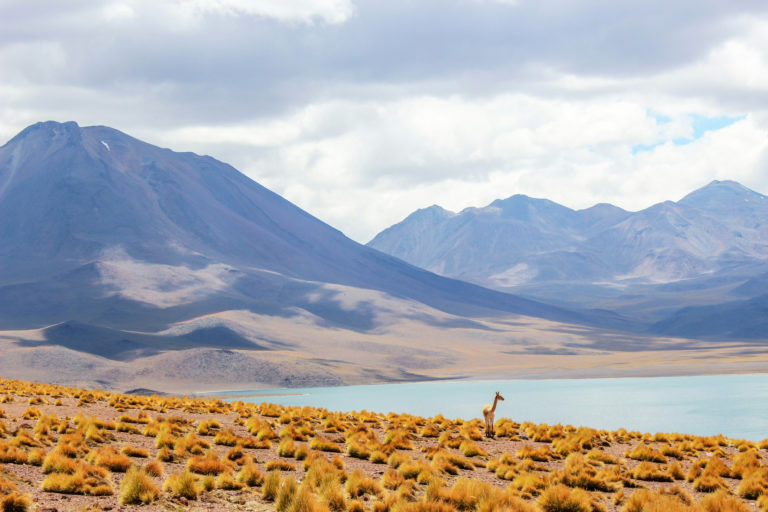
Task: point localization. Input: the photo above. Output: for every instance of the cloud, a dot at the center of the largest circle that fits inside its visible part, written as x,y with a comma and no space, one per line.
307,11
363,111
366,165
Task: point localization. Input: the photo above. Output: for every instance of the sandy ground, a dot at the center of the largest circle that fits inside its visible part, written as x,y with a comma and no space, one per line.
414,344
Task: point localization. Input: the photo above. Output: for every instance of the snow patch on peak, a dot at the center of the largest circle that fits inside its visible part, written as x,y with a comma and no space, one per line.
105,145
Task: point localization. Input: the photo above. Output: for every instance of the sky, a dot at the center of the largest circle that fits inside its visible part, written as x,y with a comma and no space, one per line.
361,111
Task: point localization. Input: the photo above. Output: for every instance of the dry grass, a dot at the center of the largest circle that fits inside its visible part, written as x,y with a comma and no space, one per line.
16,502
208,464
108,458
271,485
286,494
86,479
280,465
250,475
138,488
154,468
646,453
651,472
182,484
130,451
359,484
560,498
435,464
324,445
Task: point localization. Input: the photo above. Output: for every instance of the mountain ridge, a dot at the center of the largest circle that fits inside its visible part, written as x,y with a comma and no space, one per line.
113,246
601,256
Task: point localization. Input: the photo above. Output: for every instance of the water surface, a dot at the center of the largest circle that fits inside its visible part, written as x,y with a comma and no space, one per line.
734,405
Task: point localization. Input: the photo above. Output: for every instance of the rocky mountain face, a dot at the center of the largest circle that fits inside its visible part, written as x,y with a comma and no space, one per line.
95,207
646,264
121,250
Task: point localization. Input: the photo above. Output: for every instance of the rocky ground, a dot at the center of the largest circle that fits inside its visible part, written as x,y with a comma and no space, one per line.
362,461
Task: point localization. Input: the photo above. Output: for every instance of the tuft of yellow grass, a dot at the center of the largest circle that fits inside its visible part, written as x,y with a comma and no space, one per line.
650,472
559,498
324,445
722,501
271,485
137,487
208,464
16,502
754,484
154,468
286,494
279,464
644,452
182,484
250,475
108,458
359,484
130,451
86,479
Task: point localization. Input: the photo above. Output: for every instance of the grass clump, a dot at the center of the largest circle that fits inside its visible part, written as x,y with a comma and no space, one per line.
721,501
225,438
208,464
279,464
644,452
137,487
86,479
154,468
470,448
250,475
182,484
286,448
108,458
130,451
227,482
324,445
578,472
559,498
644,500
271,485
286,494
358,484
650,472
16,502
332,493
754,485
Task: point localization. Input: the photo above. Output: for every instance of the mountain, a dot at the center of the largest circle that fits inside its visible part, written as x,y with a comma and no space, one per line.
713,239
127,260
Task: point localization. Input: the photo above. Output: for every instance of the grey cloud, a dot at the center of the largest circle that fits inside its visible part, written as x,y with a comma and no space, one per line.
238,67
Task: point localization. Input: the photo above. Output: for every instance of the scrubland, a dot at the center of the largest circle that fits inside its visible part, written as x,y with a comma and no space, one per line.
75,449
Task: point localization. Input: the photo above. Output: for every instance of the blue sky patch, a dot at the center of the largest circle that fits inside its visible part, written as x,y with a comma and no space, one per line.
700,125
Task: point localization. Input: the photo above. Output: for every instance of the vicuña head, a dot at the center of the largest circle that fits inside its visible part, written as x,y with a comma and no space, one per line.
498,396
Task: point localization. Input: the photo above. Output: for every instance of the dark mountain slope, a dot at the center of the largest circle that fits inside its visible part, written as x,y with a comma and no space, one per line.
102,228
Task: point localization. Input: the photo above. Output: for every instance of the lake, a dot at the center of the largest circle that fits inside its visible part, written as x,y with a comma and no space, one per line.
734,405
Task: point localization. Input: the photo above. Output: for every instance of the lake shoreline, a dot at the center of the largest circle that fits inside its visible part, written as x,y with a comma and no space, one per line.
267,391
698,404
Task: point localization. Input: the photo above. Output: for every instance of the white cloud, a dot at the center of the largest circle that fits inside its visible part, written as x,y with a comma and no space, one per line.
118,11
305,11
363,112
388,158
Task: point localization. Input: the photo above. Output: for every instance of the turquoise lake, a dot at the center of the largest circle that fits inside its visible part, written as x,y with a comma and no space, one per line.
734,405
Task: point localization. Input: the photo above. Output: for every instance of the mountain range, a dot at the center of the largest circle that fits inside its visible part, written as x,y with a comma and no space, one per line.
125,265
708,249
